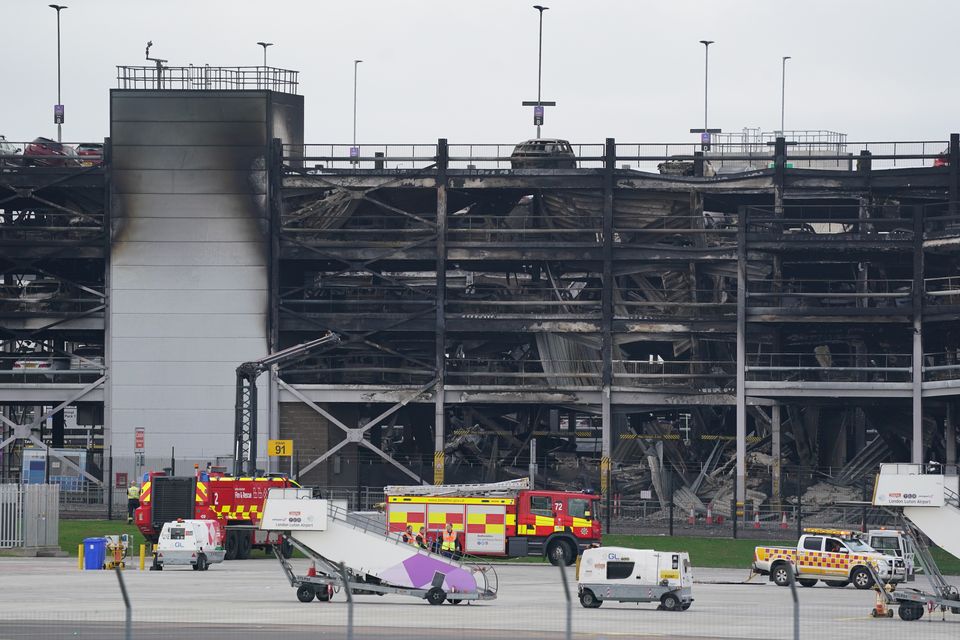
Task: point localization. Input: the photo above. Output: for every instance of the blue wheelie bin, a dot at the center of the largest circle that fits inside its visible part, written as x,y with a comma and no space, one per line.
94,553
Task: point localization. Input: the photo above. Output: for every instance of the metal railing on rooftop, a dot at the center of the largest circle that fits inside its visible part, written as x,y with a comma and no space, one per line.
208,78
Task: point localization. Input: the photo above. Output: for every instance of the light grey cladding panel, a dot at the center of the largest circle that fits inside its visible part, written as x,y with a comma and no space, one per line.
181,158
183,397
141,301
178,349
213,254
241,279
190,134
188,230
151,325
172,373
182,205
204,181
151,107
200,433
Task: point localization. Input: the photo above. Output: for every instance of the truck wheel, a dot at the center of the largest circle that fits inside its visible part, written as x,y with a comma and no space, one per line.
807,582
861,578
837,583
588,600
669,602
305,593
685,606
910,611
781,574
243,546
559,554
202,564
454,601
230,546
436,596
323,593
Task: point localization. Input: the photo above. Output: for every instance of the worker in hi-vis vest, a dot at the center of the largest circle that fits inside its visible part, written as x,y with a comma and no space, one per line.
449,545
133,500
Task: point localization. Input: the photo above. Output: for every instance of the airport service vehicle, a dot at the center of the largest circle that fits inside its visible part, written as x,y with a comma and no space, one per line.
635,575
499,519
899,544
929,501
194,543
835,556
352,551
237,503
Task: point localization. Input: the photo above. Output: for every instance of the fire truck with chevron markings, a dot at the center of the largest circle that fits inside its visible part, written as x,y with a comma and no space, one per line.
212,495
506,519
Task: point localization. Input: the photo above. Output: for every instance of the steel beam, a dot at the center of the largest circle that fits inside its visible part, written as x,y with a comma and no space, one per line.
606,321
741,410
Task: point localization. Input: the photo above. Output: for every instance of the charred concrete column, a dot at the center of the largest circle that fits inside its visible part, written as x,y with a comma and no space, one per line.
779,172
606,322
954,173
439,413
741,462
275,202
775,446
950,434
916,445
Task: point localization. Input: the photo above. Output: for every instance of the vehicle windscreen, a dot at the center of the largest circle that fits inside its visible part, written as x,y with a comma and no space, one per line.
858,546
579,508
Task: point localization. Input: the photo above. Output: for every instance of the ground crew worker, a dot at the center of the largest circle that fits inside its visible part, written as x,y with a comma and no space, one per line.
133,500
407,536
422,538
449,545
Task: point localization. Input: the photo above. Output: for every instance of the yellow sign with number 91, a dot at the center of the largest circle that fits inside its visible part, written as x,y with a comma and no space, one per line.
277,448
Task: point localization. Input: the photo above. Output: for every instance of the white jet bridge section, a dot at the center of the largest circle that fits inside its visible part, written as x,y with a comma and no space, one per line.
355,548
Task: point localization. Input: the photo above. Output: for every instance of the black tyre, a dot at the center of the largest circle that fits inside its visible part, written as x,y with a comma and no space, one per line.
807,582
685,606
669,602
305,593
861,578
323,594
195,567
560,554
589,600
454,601
910,611
230,546
780,574
243,546
436,596
202,564
837,583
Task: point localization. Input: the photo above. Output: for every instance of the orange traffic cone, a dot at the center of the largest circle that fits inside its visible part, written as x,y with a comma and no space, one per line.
312,571
691,518
783,520
710,513
756,519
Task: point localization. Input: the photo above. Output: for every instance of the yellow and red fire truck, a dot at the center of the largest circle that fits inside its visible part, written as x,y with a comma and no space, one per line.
499,519
236,502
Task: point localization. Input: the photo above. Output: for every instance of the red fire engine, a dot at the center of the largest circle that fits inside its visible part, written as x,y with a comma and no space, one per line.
211,496
500,519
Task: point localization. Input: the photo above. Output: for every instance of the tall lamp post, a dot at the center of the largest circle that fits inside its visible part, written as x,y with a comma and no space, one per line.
355,150
783,90
706,132
265,45
58,110
539,103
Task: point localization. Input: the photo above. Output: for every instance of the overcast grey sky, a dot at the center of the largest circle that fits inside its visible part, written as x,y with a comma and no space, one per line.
633,70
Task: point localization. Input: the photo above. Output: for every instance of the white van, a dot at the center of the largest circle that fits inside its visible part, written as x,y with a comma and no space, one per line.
198,543
635,575
896,543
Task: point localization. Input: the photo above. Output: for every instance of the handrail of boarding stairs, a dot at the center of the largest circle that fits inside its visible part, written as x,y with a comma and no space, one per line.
366,524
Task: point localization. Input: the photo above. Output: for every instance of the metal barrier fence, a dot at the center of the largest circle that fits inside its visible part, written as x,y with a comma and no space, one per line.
207,78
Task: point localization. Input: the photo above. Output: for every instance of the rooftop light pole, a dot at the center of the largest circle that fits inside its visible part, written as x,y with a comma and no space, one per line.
539,104
58,109
706,132
783,91
355,150
265,45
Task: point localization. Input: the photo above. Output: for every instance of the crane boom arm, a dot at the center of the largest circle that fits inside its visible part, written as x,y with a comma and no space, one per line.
245,420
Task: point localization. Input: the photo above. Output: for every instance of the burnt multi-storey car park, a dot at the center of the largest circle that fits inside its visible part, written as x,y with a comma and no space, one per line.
602,316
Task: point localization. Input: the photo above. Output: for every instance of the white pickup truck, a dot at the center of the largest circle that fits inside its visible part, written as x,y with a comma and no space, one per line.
837,557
